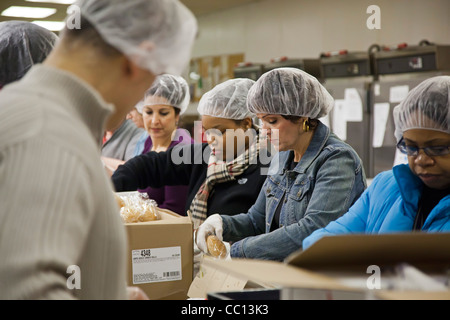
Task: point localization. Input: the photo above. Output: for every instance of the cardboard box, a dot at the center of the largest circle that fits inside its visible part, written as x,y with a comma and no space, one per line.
362,250
288,294
250,294
212,279
245,275
160,256
337,267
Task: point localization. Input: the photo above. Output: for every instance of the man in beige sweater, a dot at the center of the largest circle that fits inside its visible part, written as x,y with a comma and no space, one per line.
61,236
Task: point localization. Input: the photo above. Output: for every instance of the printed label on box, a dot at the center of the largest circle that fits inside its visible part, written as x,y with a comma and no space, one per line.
156,265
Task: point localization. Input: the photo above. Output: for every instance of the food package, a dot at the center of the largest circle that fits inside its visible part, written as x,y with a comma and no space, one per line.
216,247
137,208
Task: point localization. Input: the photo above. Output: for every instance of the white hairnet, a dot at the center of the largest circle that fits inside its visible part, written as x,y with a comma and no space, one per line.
426,106
22,44
289,91
157,35
140,106
169,90
227,100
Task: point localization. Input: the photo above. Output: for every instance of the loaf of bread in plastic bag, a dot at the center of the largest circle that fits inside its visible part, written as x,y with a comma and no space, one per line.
216,248
137,208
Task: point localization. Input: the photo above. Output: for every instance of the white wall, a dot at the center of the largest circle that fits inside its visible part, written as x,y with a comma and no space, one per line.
305,28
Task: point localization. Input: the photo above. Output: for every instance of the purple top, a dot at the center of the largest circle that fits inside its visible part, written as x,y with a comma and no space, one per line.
170,197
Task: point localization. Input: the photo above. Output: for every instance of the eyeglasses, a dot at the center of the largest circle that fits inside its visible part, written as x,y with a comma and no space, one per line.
434,151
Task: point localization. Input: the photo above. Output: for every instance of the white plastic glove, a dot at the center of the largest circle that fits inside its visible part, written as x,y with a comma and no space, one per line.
212,225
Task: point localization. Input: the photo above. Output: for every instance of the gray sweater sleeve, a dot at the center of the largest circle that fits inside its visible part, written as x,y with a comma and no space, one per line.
57,208
48,224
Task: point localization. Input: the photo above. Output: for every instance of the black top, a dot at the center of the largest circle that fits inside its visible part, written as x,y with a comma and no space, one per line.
429,199
158,169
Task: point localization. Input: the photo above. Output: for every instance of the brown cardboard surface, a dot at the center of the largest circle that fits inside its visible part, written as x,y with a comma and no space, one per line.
348,251
274,273
321,266
210,279
172,233
213,279
412,295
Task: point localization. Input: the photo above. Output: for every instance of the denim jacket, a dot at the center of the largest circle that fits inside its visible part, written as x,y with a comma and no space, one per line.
325,183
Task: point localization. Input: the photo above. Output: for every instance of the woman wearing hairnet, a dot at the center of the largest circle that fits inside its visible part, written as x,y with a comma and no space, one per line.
22,44
317,178
413,196
164,102
229,186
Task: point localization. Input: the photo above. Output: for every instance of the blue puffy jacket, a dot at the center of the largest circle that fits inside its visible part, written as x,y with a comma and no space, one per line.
389,205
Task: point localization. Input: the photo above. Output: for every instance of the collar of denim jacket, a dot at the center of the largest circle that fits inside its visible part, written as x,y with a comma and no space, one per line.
316,145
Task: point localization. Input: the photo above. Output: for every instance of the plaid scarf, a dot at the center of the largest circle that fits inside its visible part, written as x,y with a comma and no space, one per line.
219,172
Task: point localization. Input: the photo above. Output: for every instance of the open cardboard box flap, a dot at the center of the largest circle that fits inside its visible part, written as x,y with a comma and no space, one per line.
164,218
362,250
413,295
304,269
274,273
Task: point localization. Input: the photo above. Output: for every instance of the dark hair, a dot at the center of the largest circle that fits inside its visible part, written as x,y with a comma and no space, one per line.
22,44
166,92
313,123
430,98
166,86
88,35
239,123
177,110
433,103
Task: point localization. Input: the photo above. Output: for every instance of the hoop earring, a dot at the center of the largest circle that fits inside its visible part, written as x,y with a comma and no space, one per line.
305,126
